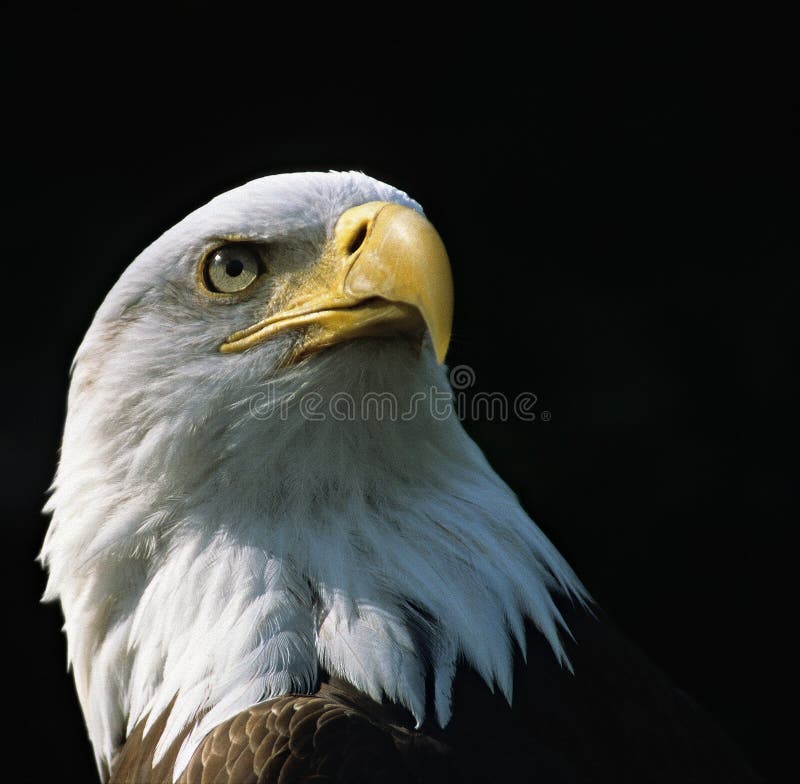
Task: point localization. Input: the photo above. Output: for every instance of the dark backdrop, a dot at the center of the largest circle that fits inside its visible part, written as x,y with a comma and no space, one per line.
612,183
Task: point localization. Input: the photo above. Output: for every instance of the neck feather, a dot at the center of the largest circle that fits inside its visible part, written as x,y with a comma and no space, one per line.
378,551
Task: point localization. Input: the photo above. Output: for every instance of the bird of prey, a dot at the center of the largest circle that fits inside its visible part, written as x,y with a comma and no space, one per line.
267,574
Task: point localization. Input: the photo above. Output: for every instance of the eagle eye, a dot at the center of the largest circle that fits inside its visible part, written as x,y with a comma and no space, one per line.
232,268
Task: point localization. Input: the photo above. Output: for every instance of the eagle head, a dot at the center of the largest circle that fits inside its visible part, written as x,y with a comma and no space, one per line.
258,481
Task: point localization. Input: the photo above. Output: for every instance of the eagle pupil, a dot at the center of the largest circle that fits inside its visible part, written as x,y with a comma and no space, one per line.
234,268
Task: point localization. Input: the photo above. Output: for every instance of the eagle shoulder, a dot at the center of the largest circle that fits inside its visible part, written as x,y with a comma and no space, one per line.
330,736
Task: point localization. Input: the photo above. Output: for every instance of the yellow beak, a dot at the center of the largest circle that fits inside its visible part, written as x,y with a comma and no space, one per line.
385,273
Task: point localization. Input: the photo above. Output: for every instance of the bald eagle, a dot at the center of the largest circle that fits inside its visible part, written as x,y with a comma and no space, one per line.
263,581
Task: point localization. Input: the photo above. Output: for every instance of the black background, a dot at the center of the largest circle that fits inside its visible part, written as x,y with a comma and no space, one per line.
613,185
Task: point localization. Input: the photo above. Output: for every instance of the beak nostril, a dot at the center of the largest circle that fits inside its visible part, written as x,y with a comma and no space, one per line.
357,239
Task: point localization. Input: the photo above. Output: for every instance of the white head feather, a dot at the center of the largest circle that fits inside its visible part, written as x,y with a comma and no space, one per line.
215,556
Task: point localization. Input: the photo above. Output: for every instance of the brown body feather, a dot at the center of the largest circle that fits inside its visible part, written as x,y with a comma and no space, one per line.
617,719
326,737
